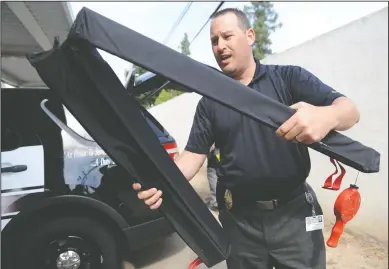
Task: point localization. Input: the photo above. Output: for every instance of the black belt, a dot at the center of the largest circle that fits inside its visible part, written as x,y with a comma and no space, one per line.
229,200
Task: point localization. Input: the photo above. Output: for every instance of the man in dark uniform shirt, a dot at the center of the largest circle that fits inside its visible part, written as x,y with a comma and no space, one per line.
264,197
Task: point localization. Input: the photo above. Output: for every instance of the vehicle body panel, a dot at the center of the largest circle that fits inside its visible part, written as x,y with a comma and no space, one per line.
114,120
58,165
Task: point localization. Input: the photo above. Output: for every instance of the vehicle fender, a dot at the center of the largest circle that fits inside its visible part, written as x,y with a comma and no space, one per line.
52,205
74,203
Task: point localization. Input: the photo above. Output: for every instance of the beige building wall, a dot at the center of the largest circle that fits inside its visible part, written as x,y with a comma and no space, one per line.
353,59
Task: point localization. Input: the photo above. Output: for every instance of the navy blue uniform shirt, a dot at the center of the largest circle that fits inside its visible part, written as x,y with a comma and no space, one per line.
254,161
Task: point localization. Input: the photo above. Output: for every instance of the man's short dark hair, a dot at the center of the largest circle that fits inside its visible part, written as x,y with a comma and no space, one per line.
243,21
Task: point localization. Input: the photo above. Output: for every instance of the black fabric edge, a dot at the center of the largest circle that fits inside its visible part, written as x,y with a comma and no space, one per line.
210,261
330,145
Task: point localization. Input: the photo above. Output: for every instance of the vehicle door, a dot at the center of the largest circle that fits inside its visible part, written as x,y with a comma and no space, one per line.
22,158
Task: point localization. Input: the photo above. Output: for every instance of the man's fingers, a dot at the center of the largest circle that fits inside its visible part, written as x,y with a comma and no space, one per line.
298,105
153,199
286,126
157,204
304,138
147,194
293,133
136,187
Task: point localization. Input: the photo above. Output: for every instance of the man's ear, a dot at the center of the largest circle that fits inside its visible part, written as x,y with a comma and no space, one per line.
250,34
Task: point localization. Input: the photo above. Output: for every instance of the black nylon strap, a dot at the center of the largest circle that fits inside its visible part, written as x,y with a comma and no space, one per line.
127,44
95,96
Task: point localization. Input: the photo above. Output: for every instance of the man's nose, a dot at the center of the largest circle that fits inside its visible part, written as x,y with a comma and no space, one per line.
221,45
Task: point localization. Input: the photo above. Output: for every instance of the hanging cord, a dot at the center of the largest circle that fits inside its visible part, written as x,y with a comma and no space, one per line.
210,17
356,180
175,25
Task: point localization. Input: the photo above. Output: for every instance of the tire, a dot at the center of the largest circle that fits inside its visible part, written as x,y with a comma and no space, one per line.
40,245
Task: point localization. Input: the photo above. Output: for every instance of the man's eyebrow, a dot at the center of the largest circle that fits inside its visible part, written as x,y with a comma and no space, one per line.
213,37
227,32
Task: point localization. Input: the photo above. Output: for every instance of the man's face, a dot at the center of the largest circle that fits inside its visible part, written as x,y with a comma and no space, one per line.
231,44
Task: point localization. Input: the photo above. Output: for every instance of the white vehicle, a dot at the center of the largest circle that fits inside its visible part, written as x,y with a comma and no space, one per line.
61,194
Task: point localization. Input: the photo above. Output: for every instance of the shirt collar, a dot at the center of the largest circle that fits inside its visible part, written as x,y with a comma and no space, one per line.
260,70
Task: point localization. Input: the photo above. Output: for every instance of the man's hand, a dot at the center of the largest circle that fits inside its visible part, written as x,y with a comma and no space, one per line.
309,124
189,164
151,197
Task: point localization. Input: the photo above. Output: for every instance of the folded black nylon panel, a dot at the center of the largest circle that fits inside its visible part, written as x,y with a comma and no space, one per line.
118,40
95,96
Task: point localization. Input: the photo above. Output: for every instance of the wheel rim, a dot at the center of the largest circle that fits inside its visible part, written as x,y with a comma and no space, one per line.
70,252
68,260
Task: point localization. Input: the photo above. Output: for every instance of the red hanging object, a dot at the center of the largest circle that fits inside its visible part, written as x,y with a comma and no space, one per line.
338,181
195,263
346,207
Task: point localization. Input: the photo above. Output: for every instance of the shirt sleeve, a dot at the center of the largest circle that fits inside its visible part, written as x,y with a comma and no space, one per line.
201,135
306,87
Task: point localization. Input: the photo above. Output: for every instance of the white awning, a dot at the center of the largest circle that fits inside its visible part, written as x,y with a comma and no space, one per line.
29,27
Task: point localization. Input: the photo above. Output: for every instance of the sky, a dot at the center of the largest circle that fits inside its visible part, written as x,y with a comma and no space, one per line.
302,21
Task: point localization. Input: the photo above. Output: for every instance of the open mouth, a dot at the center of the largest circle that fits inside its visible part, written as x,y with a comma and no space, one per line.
225,58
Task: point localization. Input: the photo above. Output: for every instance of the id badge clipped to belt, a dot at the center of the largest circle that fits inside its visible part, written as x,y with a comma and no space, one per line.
314,222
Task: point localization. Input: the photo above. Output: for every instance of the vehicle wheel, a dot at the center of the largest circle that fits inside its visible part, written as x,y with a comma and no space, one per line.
66,243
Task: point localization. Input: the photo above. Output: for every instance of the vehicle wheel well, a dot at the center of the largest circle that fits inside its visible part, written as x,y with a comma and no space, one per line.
80,210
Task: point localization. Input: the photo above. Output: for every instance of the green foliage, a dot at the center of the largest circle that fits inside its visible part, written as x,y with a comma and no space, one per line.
263,19
184,46
166,95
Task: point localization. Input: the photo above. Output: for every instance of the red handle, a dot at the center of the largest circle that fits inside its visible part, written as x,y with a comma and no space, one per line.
337,231
195,263
338,181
